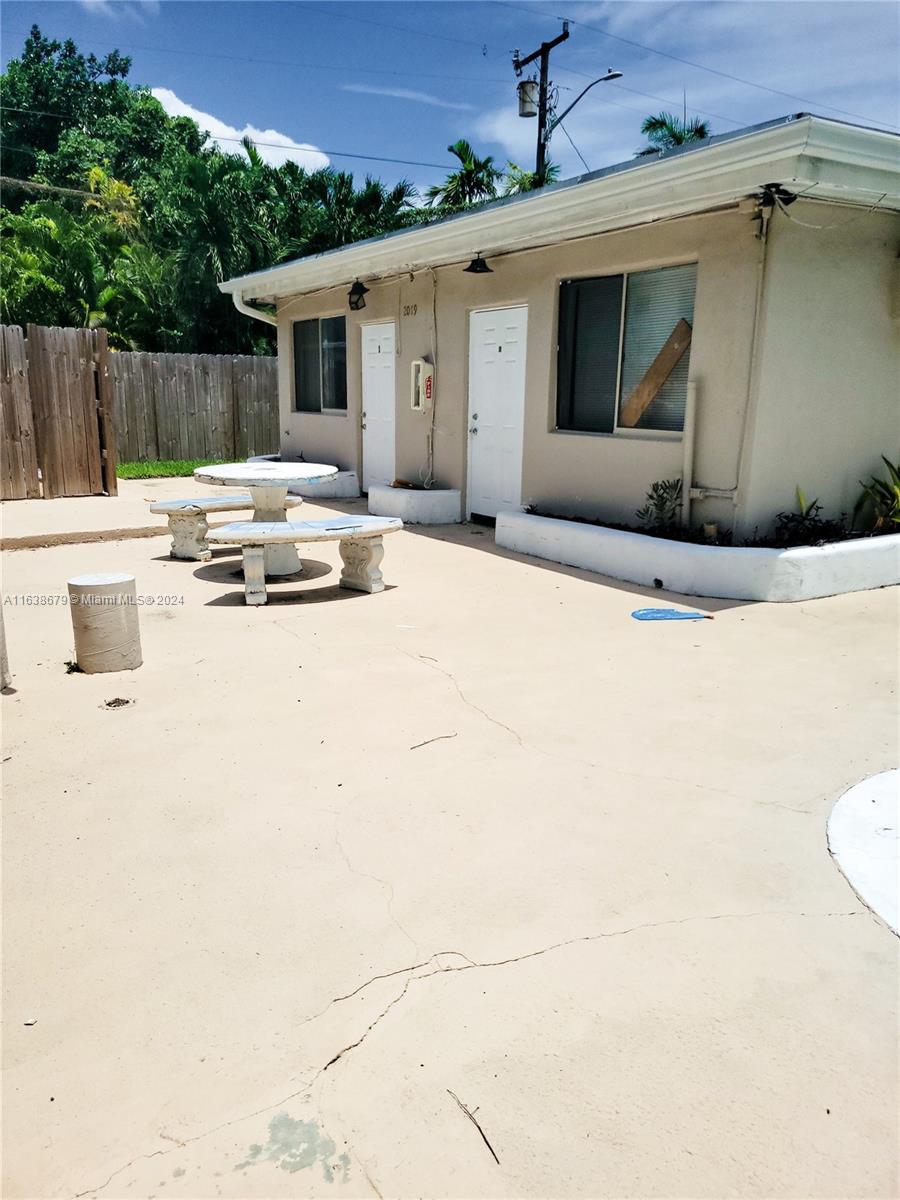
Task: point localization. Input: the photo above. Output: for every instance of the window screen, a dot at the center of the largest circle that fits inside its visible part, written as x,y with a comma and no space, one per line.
654,304
307,367
334,362
590,318
320,364
594,340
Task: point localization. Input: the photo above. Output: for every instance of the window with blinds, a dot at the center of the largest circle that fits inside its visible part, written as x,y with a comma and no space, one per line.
320,364
610,331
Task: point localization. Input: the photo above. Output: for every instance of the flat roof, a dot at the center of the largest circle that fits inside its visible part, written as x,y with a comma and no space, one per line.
818,157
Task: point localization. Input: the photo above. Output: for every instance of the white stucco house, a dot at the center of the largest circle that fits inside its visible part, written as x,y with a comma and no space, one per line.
728,313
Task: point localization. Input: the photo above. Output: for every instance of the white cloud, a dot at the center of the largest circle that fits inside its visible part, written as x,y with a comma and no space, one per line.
405,94
117,10
839,53
274,147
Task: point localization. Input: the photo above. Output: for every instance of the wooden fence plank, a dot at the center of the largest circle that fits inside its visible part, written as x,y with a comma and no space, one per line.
106,414
18,454
87,341
46,427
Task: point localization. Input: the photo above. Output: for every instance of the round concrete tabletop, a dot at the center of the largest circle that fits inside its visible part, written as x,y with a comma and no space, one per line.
331,529
265,474
863,833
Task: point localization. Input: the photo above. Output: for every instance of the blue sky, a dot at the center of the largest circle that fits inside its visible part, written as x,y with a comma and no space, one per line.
402,80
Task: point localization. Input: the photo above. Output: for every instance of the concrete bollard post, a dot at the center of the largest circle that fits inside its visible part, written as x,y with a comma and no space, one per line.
105,622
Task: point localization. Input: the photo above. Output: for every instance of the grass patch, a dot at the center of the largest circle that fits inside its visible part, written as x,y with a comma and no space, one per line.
165,469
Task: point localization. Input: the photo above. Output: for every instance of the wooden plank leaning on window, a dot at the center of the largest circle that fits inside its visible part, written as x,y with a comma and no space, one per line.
657,374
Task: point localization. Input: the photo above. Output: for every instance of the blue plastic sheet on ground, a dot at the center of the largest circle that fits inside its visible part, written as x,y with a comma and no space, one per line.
668,614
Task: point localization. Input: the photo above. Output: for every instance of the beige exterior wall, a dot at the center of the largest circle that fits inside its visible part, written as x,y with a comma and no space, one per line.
828,376
608,475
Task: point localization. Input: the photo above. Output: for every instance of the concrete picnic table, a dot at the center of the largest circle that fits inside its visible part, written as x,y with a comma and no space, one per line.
268,483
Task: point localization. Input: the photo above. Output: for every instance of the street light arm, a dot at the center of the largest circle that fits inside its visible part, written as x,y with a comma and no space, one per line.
562,116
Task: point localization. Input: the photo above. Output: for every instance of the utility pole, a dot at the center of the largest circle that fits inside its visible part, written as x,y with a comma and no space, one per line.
543,53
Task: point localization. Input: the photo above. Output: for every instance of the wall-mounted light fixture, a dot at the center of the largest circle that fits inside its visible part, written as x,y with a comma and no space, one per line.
774,193
478,267
356,297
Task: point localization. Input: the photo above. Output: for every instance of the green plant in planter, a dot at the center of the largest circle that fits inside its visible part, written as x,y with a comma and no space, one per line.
878,506
663,505
805,527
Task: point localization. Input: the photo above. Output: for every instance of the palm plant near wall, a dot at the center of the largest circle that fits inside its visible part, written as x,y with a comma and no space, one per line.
664,131
878,506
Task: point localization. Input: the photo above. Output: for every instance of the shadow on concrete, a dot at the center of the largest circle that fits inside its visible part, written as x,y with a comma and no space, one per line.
481,537
219,552
321,595
229,569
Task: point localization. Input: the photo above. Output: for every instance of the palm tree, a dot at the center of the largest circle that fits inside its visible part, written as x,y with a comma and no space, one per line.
517,180
57,266
476,180
664,131
344,213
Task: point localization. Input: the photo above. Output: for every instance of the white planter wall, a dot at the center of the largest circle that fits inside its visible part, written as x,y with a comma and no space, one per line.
415,506
728,572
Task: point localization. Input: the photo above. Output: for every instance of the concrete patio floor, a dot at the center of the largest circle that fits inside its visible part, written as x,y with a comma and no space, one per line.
481,834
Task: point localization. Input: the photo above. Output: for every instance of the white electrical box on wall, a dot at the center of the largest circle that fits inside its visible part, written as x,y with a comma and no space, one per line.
421,385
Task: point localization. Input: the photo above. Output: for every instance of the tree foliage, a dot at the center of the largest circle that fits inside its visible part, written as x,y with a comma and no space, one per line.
133,217
129,217
664,131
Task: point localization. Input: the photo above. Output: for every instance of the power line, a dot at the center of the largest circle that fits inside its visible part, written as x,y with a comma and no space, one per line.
572,144
697,66
405,162
335,11
430,75
344,69
665,100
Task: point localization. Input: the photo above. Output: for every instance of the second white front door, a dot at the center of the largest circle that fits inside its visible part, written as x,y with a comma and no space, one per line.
379,402
497,340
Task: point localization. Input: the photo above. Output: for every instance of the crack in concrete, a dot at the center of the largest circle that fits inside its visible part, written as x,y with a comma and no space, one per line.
359,1041
385,883
469,965
435,666
472,964
787,807
502,962
568,758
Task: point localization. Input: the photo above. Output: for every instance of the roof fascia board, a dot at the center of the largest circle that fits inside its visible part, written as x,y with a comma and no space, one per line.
666,188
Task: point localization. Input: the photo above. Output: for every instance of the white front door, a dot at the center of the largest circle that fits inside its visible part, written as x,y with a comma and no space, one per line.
497,340
378,403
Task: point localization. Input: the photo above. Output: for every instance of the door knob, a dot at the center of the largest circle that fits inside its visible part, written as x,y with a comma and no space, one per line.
363,425
474,429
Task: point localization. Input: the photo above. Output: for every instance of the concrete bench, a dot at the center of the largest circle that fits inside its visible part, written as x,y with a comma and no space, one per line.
361,547
187,521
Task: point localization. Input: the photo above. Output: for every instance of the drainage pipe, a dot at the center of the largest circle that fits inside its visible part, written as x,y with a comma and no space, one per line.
687,452
249,311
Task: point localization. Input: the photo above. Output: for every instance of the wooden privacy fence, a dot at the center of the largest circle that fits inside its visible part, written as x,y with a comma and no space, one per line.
57,413
71,408
192,406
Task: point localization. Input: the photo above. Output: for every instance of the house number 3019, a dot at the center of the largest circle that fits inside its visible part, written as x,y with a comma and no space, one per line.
410,310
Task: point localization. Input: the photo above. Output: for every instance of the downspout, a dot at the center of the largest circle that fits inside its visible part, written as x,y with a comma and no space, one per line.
764,214
687,452
249,311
